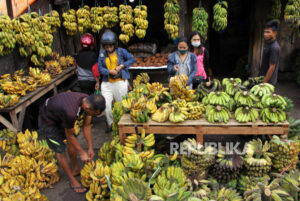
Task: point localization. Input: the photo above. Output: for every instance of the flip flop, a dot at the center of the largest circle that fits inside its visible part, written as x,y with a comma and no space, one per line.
79,187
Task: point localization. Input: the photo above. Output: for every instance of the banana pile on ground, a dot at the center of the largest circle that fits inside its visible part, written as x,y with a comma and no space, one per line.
53,20
35,168
8,142
273,110
220,16
258,159
83,19
204,88
275,11
246,183
39,77
140,21
106,153
8,100
289,182
179,88
285,153
110,16
292,13
70,22
200,22
126,23
138,143
97,22
227,166
172,18
53,68
196,157
225,194
7,35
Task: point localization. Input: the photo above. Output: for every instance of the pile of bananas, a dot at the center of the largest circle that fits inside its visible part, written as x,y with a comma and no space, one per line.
225,194
83,19
7,141
195,110
53,20
252,81
289,182
196,157
142,78
8,100
178,85
110,16
285,153
172,18
106,153
204,89
16,87
137,143
7,35
158,94
275,11
262,89
246,114
53,68
217,113
246,182
220,16
139,111
178,114
258,160
292,13
85,172
70,22
272,115
38,76
227,166
162,114
232,85
140,21
200,22
97,22
245,98
126,23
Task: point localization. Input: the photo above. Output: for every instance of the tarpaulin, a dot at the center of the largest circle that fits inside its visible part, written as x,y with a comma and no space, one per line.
3,8
19,6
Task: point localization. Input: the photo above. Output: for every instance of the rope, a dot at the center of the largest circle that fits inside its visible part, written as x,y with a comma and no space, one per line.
50,8
82,3
108,182
125,2
156,171
200,4
68,5
29,9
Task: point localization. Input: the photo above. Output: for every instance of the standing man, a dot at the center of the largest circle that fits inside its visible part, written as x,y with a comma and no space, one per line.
270,59
56,125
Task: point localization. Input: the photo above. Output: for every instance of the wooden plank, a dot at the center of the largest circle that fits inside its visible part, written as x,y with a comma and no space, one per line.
55,89
200,138
7,124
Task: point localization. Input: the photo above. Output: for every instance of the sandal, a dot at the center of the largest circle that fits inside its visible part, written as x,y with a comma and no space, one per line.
79,187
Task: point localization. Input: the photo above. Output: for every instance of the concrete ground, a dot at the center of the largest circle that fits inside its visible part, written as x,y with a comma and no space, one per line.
62,190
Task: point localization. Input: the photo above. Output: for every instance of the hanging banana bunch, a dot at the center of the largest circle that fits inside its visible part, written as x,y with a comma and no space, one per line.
292,14
200,24
110,16
172,18
275,11
220,16
7,35
83,19
126,23
53,20
97,19
140,20
70,22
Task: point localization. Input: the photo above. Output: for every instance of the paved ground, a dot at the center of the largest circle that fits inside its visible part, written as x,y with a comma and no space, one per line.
62,191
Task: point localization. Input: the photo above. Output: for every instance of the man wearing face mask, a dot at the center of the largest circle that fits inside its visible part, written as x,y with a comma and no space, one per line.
182,61
202,59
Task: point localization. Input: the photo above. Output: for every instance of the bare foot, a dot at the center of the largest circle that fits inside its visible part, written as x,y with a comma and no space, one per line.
75,171
76,186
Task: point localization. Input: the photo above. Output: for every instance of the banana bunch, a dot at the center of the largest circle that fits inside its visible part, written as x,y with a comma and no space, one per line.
70,61
200,22
53,20
15,87
246,114
217,114
99,173
258,158
133,162
140,21
262,89
132,189
246,183
70,22
117,113
225,194
180,90
110,16
294,128
41,78
147,155
79,123
8,100
272,115
195,110
218,98
97,22
252,81
204,89
245,98
162,114
142,117
220,16
269,191
292,13
53,68
290,183
106,153
228,81
83,19
126,23
172,18
158,93
142,78
178,115
275,11
273,100
85,172
7,139
95,192
66,62
285,152
7,35
151,106
138,143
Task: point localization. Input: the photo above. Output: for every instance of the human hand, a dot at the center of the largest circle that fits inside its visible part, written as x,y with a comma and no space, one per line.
84,156
113,72
176,67
118,68
91,153
97,85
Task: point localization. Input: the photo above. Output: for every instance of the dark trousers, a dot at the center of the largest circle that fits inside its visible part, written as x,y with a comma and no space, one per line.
87,86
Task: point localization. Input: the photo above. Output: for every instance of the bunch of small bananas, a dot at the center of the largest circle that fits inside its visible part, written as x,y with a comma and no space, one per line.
126,23
95,192
180,90
140,20
178,114
83,19
272,115
172,18
204,89
262,89
8,100
106,153
85,172
97,19
7,140
292,13
245,98
200,22
195,110
117,113
217,114
285,152
252,81
7,35
110,16
15,87
220,16
275,11
53,68
99,173
248,182
142,78
53,20
246,114
232,85
258,158
139,143
70,22
162,114
40,77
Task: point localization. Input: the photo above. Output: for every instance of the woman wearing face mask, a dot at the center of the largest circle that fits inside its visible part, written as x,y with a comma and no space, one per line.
113,65
182,61
202,59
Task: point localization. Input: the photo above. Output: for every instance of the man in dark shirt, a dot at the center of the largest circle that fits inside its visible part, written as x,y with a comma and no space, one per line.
56,125
270,59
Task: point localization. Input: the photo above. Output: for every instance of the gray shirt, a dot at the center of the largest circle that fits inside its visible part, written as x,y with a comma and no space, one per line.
184,67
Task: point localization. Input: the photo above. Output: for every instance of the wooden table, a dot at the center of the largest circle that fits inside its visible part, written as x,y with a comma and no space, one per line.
16,123
202,127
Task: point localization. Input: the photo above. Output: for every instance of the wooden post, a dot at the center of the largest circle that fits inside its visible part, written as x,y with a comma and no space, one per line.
182,17
9,8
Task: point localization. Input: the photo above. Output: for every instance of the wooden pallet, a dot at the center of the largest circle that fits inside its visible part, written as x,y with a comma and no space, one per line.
202,127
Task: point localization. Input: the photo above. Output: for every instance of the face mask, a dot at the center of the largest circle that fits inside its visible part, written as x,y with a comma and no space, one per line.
196,44
182,51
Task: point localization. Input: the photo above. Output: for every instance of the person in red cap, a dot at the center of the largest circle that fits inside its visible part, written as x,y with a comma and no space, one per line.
85,60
